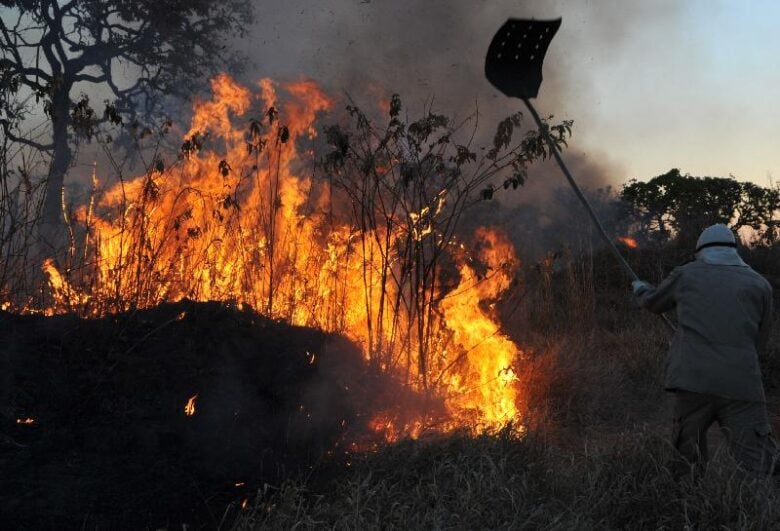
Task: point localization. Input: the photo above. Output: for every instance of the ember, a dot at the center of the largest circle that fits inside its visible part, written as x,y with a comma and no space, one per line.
629,242
189,409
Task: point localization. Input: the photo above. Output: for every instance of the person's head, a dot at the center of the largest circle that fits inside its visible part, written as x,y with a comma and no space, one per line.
718,235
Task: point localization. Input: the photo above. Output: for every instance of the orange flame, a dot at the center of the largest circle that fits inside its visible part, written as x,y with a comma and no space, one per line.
485,390
629,242
239,218
189,409
27,420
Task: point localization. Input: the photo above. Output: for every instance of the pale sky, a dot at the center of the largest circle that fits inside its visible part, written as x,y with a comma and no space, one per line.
650,85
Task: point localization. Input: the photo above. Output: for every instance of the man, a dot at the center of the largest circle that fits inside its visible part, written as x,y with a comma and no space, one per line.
724,314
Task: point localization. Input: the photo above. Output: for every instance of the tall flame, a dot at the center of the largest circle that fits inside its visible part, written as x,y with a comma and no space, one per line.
241,217
487,385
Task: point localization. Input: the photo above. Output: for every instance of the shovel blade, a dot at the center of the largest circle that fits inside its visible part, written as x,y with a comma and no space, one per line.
516,53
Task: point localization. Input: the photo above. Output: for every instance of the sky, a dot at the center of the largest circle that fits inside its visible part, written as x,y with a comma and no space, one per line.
650,85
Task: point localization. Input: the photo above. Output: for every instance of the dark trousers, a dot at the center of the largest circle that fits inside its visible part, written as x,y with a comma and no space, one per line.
745,424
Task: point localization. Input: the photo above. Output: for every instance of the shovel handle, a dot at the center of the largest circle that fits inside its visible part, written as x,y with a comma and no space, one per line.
555,153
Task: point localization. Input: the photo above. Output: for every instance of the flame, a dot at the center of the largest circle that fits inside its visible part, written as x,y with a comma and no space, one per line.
240,217
485,390
629,242
189,408
26,420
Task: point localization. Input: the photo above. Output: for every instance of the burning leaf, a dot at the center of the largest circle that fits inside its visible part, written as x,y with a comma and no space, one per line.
224,168
271,114
283,134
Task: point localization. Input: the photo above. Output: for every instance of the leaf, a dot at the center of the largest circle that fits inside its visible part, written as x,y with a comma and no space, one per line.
283,134
111,113
271,114
395,105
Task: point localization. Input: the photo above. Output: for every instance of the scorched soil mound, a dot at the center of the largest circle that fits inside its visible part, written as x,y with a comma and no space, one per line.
110,445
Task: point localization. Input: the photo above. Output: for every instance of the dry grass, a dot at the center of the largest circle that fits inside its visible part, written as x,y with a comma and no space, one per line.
505,482
595,453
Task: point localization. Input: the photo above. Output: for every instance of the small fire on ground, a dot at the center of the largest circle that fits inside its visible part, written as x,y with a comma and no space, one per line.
189,408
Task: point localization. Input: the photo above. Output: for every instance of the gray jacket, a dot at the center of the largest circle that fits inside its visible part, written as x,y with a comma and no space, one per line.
724,315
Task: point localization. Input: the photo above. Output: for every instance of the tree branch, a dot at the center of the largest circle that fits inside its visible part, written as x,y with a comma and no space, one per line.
90,78
21,140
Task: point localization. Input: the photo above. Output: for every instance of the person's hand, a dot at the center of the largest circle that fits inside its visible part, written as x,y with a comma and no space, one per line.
639,287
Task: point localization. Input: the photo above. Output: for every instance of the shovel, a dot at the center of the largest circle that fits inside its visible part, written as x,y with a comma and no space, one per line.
514,66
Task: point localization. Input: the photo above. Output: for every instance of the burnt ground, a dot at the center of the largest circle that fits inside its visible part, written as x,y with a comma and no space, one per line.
111,446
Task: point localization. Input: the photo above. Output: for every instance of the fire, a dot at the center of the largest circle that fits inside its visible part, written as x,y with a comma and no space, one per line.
244,216
189,408
485,388
629,242
26,420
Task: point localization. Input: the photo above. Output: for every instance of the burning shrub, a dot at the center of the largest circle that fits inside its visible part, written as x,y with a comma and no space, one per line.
363,241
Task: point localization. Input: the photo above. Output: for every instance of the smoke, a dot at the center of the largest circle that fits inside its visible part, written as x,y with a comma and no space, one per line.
432,53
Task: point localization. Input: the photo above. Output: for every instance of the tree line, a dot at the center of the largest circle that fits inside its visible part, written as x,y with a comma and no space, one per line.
678,207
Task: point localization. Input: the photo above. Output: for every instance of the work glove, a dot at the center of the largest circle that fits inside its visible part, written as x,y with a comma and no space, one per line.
639,287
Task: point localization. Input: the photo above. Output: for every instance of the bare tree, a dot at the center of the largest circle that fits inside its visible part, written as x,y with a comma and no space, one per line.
52,50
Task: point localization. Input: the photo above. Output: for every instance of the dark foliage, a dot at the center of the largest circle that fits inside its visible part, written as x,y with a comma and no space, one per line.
683,205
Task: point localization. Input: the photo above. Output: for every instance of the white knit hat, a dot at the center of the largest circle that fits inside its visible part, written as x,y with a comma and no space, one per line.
718,234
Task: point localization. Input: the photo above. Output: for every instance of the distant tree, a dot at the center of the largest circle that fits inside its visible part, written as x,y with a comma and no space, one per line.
680,206
134,50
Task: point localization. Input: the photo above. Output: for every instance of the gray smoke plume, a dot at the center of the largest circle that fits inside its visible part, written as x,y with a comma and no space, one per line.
433,52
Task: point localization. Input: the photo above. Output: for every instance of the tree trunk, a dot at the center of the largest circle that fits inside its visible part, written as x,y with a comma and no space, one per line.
52,220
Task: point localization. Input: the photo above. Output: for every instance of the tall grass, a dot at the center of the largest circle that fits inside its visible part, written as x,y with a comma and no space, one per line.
504,481
593,453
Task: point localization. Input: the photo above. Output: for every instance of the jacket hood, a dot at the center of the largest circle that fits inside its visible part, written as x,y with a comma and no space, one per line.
719,255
